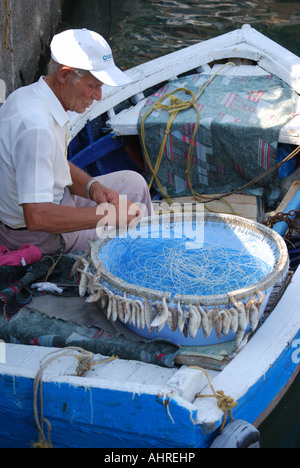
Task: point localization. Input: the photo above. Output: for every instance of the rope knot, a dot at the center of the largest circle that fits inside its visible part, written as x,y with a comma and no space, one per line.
225,402
85,363
175,101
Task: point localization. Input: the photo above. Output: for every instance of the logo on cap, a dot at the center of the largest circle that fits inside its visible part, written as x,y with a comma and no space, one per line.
107,57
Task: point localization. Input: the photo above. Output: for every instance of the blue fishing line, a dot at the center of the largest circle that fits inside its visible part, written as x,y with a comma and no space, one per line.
169,266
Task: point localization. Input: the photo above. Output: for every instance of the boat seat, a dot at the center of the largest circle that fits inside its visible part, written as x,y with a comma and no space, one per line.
126,122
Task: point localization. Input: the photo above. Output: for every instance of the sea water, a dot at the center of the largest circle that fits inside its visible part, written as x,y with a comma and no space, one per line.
140,30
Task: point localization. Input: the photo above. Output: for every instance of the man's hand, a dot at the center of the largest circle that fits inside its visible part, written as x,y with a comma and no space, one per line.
100,194
120,212
124,215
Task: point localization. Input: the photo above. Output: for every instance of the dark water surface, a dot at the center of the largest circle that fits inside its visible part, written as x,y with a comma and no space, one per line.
140,30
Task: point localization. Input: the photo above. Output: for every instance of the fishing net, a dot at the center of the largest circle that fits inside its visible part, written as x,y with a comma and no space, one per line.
202,265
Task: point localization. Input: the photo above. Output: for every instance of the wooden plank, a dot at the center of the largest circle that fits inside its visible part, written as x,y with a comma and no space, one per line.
246,206
96,151
288,197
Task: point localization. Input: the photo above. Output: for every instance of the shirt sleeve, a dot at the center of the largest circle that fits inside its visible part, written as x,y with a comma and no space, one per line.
33,159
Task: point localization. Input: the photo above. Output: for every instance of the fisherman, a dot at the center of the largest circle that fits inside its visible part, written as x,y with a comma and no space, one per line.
44,199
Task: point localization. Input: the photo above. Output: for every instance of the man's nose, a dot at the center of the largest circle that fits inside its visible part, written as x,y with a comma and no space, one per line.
97,94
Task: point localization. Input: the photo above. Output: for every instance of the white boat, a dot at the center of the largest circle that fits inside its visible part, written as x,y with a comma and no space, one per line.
123,403
246,45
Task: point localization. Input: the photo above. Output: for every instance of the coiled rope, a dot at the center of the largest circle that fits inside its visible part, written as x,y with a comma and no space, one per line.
177,105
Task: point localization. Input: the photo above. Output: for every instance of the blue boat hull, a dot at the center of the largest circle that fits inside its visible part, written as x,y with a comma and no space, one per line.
84,417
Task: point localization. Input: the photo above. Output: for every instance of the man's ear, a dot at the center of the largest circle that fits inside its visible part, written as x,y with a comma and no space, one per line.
64,73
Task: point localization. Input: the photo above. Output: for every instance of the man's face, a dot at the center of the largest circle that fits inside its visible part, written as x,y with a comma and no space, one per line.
78,95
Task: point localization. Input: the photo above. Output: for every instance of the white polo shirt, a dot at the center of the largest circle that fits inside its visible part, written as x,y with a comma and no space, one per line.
33,163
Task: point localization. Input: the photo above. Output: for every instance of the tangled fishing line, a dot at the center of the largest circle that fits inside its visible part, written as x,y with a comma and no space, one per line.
168,265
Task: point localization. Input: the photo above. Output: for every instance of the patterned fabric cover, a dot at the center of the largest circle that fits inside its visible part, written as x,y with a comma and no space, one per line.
237,138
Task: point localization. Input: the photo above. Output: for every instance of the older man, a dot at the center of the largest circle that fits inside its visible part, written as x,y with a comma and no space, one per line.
44,199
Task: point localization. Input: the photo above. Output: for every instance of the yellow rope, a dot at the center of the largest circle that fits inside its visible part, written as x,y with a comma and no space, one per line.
54,263
224,402
6,44
177,105
86,363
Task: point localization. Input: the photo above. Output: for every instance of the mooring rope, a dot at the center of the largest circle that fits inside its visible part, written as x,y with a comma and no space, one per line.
85,363
225,403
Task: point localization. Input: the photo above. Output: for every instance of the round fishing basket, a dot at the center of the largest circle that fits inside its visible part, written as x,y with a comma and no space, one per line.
193,279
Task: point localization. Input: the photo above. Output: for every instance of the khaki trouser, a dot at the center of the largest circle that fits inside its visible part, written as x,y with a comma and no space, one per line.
127,183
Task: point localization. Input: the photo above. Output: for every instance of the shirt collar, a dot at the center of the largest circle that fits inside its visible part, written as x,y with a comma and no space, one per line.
53,103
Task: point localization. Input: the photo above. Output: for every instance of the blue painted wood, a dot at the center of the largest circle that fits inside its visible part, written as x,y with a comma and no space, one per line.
96,151
267,388
108,418
294,204
93,417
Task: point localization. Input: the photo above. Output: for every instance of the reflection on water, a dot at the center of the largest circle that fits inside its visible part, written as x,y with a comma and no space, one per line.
139,30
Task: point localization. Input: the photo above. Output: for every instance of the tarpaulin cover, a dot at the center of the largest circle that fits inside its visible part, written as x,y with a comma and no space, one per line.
236,141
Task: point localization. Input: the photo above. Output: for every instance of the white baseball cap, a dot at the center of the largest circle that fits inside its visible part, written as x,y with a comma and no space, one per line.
87,50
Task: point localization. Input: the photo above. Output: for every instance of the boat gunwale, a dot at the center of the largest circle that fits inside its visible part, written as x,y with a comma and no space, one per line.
171,65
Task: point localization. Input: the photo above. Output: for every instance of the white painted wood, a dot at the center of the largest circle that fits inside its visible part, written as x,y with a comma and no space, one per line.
242,51
133,376
25,360
290,133
186,382
239,70
126,122
275,58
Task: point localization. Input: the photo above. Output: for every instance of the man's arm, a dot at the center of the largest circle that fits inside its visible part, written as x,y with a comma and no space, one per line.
56,219
52,218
